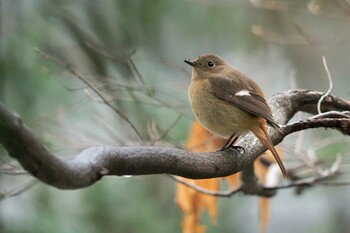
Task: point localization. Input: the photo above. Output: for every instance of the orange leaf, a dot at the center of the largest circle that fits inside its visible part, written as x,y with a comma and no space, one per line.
192,203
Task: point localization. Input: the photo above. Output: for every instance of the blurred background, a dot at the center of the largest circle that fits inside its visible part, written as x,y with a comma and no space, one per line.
132,52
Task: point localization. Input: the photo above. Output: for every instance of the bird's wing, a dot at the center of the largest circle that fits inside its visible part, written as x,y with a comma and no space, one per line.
242,95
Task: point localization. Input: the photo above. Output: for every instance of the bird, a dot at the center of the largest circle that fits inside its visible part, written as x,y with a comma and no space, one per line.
229,104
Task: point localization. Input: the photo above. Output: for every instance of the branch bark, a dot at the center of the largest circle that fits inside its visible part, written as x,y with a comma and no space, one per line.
95,162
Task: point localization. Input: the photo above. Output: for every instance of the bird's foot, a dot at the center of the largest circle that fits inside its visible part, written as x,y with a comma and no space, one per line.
239,148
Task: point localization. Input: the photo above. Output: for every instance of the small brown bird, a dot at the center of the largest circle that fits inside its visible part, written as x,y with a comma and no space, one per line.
229,104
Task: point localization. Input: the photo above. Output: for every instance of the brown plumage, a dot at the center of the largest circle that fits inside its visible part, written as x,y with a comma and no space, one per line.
226,102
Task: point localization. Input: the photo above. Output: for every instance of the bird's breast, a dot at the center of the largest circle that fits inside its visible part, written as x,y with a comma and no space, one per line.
216,115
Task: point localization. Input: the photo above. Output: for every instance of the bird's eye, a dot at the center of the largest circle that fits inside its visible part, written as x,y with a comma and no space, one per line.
210,63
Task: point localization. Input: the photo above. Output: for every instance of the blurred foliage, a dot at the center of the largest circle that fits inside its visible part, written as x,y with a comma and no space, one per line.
103,40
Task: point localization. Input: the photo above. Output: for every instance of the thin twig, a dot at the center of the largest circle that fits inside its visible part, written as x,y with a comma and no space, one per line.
12,172
300,134
309,181
166,132
126,59
315,180
138,74
332,184
18,191
10,169
206,191
330,84
331,114
138,77
301,31
340,7
93,88
335,166
312,164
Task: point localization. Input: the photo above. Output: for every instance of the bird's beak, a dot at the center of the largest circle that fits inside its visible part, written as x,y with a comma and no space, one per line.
191,63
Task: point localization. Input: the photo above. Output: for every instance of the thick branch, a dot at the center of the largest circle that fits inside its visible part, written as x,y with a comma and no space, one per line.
93,163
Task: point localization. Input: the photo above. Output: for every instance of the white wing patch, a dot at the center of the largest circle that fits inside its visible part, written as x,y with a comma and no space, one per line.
242,93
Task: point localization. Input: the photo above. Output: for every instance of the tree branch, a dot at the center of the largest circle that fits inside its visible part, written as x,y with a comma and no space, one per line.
95,162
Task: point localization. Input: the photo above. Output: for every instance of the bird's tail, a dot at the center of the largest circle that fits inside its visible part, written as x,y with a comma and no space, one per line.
275,126
264,138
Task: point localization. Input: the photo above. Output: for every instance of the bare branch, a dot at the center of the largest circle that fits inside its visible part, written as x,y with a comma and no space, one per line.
17,191
93,88
250,183
330,84
342,125
9,169
149,92
251,186
167,130
95,162
198,188
12,172
309,181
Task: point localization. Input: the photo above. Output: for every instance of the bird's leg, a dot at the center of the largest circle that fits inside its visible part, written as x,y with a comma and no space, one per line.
230,144
227,143
233,141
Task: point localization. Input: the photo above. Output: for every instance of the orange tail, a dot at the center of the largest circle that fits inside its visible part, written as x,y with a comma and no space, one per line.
264,138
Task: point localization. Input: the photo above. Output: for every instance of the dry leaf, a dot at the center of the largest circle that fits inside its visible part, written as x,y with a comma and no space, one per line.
192,203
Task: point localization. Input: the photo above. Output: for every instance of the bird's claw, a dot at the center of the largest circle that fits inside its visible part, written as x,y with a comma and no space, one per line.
239,148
